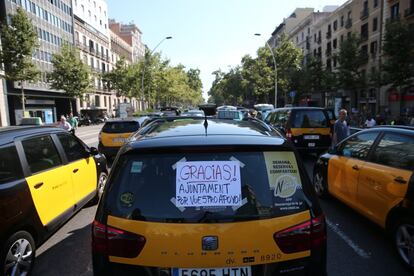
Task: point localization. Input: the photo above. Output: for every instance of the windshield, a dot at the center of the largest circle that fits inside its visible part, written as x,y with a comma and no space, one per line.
309,119
199,187
120,127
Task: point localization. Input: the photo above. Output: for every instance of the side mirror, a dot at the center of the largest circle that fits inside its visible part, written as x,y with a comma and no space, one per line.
93,151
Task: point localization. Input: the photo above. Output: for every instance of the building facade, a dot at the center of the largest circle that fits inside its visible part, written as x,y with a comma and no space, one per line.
132,35
320,35
53,22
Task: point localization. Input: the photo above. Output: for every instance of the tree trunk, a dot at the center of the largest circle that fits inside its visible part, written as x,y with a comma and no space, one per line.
23,99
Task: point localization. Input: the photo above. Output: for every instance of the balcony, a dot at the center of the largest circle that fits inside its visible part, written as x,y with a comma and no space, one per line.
409,12
393,19
329,35
364,14
348,23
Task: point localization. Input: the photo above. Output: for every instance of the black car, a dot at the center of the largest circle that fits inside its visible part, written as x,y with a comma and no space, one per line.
191,196
46,176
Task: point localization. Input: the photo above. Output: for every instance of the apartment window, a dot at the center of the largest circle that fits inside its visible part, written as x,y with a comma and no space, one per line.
303,36
83,8
342,21
94,4
335,62
102,50
308,31
364,31
374,24
104,101
92,62
89,13
77,36
348,35
96,19
375,3
100,9
84,40
105,13
335,25
395,10
335,43
297,39
374,47
85,59
349,14
100,22
76,2
314,37
97,100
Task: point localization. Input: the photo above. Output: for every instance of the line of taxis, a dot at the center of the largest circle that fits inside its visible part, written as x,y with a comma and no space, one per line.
203,195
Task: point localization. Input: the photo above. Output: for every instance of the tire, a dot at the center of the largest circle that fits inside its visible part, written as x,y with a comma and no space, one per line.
18,254
320,185
99,188
403,239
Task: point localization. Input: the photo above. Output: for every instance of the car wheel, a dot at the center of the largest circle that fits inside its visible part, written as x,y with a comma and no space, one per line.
99,189
404,241
18,254
101,183
319,183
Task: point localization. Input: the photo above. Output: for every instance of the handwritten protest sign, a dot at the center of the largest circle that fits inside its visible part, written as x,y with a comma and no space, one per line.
208,183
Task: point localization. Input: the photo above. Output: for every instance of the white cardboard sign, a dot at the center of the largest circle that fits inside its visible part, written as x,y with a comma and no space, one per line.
208,183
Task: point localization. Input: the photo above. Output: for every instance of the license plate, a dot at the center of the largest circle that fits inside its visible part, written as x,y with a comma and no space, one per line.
231,271
119,140
311,145
311,137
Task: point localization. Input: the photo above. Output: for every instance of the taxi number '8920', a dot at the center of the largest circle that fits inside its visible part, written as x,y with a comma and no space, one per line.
225,271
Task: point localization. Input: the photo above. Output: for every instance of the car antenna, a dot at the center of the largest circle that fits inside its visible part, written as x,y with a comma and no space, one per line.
205,123
209,110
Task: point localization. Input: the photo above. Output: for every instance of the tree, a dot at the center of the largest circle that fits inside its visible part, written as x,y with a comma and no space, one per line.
69,73
350,60
398,51
19,40
289,62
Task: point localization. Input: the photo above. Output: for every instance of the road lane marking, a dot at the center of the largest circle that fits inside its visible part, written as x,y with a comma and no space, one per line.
358,250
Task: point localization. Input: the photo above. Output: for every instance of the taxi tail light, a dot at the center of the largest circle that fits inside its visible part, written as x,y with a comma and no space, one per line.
289,134
115,242
305,236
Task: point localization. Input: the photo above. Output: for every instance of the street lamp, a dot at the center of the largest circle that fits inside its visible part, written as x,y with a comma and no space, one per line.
145,63
274,62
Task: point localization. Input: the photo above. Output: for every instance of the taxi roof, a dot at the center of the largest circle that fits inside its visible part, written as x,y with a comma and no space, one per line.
192,132
8,134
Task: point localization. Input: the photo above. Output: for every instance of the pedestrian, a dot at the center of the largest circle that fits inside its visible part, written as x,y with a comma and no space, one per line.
63,124
370,122
340,129
73,123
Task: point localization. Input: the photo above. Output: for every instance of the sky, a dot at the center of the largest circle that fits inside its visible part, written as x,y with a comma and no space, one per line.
207,34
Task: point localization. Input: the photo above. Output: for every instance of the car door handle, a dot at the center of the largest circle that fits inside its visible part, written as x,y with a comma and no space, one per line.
75,170
400,180
38,185
355,167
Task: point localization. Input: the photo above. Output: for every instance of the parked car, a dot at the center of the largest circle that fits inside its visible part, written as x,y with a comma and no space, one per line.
372,172
307,127
46,176
115,133
170,111
206,197
193,113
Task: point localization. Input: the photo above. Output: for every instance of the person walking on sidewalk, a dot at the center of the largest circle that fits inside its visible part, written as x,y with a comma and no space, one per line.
63,124
73,123
340,129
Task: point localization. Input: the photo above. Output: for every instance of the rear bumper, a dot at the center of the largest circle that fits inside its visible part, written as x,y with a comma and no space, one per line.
307,266
108,151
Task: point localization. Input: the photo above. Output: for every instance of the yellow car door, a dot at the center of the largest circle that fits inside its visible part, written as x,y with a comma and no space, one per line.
81,166
49,183
344,168
384,181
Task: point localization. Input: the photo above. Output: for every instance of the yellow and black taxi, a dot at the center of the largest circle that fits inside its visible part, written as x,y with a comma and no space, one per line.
308,128
115,133
208,197
46,176
372,172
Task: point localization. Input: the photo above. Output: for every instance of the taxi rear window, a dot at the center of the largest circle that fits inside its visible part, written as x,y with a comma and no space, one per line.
309,119
120,127
206,187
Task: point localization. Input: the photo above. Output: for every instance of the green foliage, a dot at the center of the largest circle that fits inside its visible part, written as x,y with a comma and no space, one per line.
350,60
254,80
69,73
19,40
399,56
